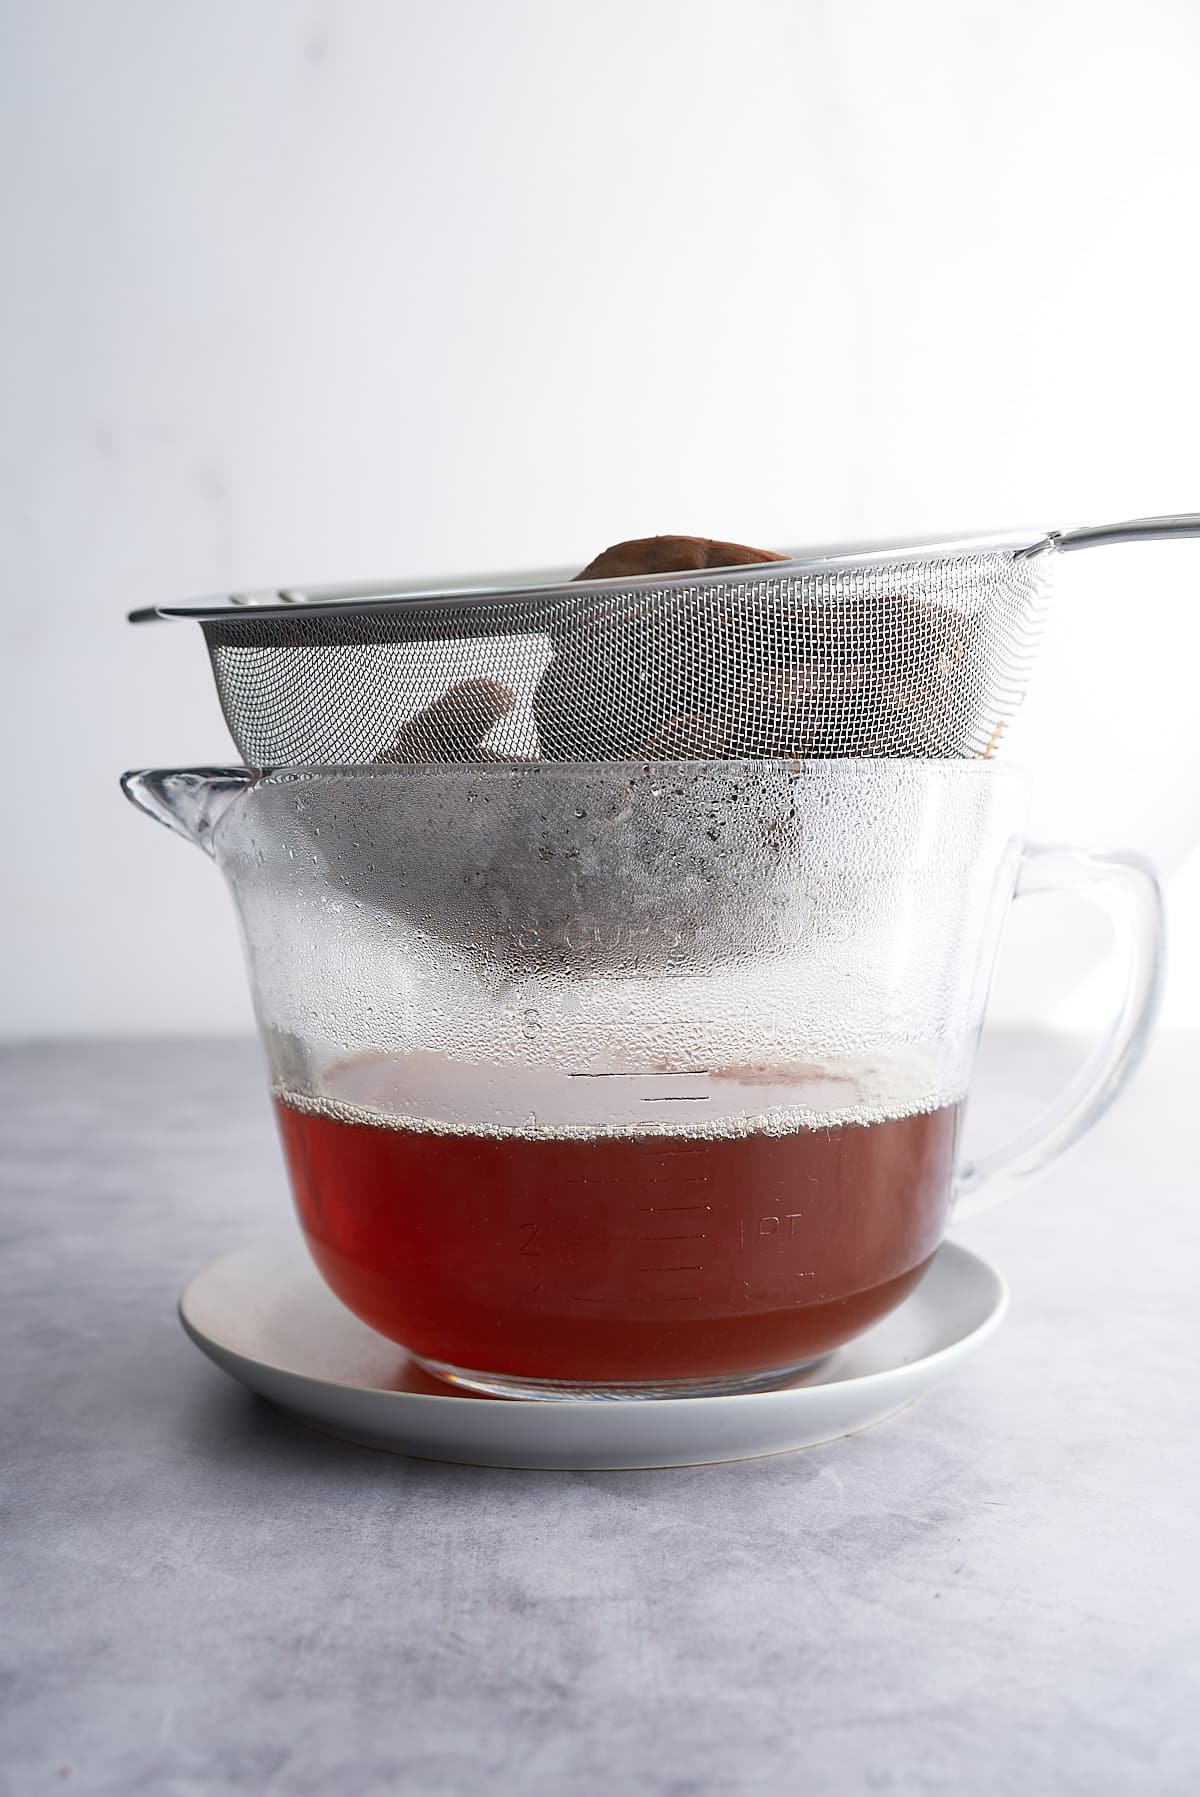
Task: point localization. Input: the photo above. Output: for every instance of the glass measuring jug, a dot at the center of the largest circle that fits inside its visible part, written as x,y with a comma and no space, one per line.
632,1079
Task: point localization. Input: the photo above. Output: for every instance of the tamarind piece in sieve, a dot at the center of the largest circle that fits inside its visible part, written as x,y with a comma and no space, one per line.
671,555
453,726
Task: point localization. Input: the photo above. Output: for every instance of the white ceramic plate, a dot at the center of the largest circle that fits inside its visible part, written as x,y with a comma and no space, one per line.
264,1316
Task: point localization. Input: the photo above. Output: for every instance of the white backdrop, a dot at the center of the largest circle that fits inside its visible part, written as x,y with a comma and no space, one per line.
312,289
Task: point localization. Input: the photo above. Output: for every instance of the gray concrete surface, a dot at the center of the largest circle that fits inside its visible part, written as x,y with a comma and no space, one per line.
997,1592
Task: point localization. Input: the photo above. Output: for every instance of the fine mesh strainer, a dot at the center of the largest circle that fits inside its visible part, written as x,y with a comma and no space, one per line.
912,652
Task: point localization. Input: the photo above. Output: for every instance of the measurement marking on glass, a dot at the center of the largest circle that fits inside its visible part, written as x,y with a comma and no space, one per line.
698,1268
674,1207
681,1098
621,1179
683,1073
699,1235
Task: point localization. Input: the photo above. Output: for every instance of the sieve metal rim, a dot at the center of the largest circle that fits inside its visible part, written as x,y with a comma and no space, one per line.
347,600
397,595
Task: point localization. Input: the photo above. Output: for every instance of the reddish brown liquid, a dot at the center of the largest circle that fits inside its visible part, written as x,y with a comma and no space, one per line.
618,1259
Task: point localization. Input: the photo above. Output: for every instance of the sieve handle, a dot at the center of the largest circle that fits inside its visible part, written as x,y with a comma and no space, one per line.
1126,886
1134,530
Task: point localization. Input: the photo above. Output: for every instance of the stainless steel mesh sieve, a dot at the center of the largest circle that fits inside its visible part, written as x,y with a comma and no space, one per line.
920,652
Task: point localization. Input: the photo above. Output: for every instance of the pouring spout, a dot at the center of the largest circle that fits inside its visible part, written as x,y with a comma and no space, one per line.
190,801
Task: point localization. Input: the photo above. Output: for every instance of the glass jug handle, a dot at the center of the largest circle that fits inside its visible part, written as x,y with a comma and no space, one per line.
1126,886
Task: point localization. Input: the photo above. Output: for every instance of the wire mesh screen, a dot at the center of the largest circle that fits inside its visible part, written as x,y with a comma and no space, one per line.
926,658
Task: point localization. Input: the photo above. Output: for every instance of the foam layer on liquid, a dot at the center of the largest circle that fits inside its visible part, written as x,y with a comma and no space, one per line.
427,1093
